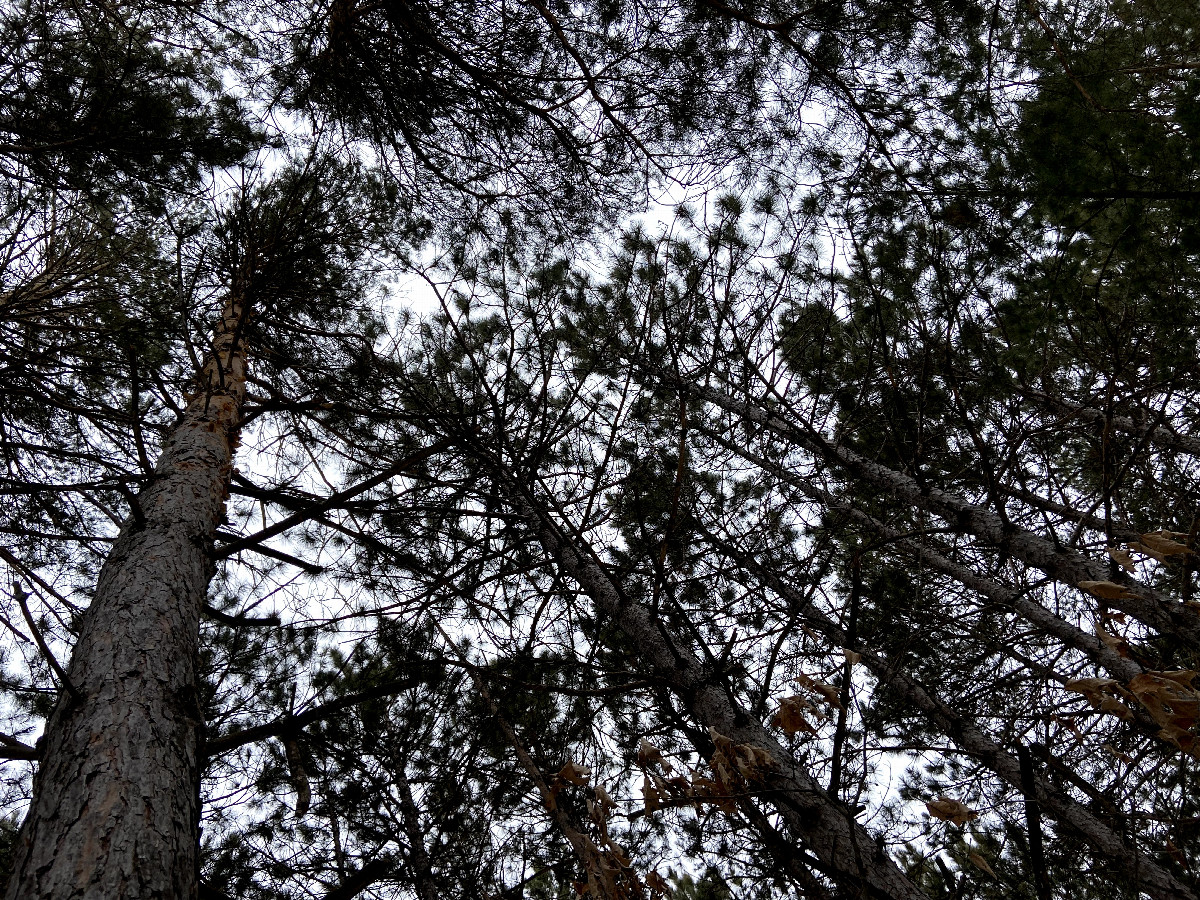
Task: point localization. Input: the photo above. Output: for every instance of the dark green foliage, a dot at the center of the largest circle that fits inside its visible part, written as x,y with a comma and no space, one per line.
948,250
99,100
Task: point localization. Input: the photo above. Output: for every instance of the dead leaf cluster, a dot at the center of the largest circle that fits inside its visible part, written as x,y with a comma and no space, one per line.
573,773
1157,545
790,715
1170,698
608,867
1115,642
828,693
1104,694
948,810
1173,703
734,766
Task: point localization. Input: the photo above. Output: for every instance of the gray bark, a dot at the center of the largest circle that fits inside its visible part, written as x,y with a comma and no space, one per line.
115,812
1158,434
843,848
1050,623
1059,562
962,729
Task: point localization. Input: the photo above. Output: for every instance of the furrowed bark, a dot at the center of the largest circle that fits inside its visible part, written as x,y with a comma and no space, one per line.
842,847
1155,881
115,812
1060,563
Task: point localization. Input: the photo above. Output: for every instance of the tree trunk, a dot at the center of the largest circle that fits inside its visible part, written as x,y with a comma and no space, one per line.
1064,565
842,847
116,811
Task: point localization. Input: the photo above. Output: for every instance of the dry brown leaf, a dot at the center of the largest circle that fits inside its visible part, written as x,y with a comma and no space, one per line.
1122,558
753,763
1115,643
617,852
790,715
705,790
1116,707
980,863
574,773
1182,739
1172,702
1184,677
1092,688
1106,590
827,691
1069,723
648,753
1148,551
762,757
652,795
605,800
657,884
1163,542
723,769
851,657
952,811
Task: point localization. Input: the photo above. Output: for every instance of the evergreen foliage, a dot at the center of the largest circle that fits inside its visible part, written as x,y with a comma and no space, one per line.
835,538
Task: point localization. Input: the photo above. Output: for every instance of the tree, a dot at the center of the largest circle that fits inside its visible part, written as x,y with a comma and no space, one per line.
688,555
128,723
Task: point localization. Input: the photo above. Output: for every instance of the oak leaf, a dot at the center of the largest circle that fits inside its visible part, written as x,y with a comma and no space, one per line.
1122,558
574,773
650,792
1148,551
980,863
1107,590
1163,542
790,715
952,811
828,691
648,753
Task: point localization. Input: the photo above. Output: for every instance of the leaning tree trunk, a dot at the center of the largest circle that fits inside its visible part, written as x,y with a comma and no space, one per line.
116,810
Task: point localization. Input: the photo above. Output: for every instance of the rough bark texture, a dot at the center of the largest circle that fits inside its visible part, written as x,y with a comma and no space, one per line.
115,811
1155,881
1059,562
842,847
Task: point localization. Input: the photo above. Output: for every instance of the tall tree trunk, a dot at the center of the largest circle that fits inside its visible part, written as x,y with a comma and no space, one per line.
840,846
1064,565
116,811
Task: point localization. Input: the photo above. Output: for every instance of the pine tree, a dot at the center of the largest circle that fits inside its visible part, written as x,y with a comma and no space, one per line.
606,575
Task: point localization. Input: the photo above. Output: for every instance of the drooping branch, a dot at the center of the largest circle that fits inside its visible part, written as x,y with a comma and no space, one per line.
1056,560
845,850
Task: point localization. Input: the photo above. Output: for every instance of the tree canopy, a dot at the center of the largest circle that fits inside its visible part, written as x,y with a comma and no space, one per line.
529,449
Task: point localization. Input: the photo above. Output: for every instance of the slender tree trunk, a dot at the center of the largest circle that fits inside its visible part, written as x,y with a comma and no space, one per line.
1059,562
842,847
116,811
